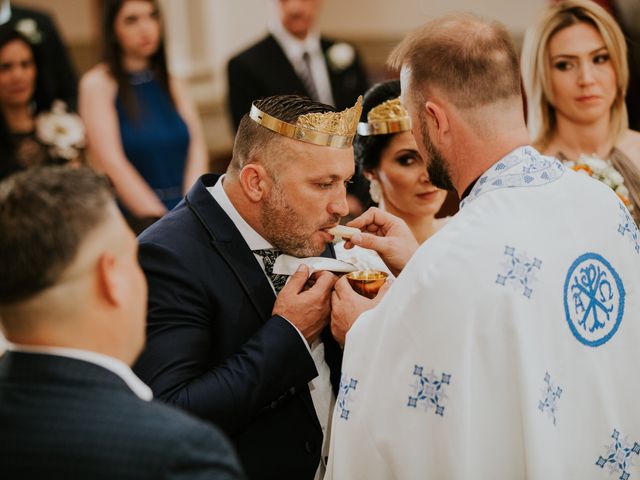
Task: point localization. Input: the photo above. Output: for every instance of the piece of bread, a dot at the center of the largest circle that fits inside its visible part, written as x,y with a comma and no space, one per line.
343,231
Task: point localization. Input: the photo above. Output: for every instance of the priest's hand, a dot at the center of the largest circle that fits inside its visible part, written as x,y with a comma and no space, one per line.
386,234
306,302
347,306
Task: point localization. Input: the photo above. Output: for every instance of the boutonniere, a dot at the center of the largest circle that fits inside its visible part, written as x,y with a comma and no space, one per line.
29,28
62,131
603,171
340,55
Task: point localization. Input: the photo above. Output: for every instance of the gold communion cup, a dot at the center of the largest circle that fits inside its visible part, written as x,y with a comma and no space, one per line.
367,282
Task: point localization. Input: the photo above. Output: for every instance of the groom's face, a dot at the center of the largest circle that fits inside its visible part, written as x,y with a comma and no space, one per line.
307,196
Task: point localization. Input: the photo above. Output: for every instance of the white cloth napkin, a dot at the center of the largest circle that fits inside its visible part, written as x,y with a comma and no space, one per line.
287,265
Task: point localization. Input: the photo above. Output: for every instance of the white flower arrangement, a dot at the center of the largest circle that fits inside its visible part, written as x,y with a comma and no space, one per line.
340,55
62,131
603,171
29,28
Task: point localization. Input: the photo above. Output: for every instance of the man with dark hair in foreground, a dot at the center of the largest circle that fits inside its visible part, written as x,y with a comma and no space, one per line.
72,304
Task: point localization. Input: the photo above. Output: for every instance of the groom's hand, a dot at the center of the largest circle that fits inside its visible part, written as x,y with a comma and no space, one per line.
307,305
387,234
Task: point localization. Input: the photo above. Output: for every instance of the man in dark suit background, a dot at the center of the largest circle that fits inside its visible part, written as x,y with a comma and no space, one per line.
72,304
330,72
41,31
294,58
219,342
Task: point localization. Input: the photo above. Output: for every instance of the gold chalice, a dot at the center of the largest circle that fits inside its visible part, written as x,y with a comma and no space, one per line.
367,282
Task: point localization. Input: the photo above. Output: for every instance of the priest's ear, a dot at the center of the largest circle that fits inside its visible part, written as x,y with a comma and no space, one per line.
437,119
255,181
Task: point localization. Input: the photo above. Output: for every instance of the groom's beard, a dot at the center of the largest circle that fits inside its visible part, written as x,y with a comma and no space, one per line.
436,164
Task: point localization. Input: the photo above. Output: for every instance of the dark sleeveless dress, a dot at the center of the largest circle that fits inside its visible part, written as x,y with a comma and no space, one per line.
157,141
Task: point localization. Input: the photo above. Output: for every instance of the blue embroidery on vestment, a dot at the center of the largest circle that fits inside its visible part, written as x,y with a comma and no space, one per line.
550,396
429,390
524,167
628,228
518,271
344,395
618,457
593,299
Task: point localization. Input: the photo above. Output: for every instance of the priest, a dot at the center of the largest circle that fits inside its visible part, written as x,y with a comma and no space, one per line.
506,348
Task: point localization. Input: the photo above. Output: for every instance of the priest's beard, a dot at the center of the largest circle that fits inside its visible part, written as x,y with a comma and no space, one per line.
290,231
436,164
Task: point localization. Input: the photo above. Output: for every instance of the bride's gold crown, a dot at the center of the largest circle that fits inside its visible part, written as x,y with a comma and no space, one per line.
388,117
329,129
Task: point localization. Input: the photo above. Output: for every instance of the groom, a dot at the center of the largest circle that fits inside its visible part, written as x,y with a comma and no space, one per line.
225,339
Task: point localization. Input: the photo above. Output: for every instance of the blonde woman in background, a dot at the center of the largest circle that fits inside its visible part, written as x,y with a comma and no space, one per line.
575,73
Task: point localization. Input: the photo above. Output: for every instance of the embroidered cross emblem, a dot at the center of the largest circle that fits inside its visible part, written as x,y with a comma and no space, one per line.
628,228
619,456
344,395
519,271
429,390
551,394
594,299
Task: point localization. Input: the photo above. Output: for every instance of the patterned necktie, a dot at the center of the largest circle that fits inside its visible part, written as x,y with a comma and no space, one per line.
269,256
307,76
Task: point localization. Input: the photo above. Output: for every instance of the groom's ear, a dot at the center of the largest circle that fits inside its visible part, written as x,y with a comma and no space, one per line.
255,181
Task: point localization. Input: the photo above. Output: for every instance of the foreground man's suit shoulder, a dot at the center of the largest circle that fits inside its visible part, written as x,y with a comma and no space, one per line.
64,418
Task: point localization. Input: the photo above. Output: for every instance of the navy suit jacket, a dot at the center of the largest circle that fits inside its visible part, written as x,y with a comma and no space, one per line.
214,348
264,70
62,418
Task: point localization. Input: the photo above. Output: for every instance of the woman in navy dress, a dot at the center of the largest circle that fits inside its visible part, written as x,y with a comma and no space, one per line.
142,127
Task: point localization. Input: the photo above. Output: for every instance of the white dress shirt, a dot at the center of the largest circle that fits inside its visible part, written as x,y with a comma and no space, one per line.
294,48
112,364
320,387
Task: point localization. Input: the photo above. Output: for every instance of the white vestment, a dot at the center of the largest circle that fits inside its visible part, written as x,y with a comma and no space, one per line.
508,347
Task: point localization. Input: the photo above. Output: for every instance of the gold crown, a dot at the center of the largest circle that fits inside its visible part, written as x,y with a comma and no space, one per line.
388,117
329,129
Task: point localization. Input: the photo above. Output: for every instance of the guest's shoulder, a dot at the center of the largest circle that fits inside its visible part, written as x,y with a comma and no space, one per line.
256,51
98,80
630,145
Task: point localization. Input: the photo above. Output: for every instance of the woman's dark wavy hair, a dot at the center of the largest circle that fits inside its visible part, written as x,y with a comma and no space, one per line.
113,57
367,149
42,97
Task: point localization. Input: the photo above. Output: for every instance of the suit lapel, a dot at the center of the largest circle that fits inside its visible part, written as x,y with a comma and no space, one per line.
228,242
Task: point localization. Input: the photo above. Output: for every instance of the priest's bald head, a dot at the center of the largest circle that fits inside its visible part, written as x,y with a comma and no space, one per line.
461,84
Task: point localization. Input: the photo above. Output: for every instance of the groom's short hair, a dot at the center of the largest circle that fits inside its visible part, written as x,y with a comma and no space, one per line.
254,140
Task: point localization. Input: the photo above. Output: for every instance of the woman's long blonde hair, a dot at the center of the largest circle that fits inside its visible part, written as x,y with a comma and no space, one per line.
541,119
